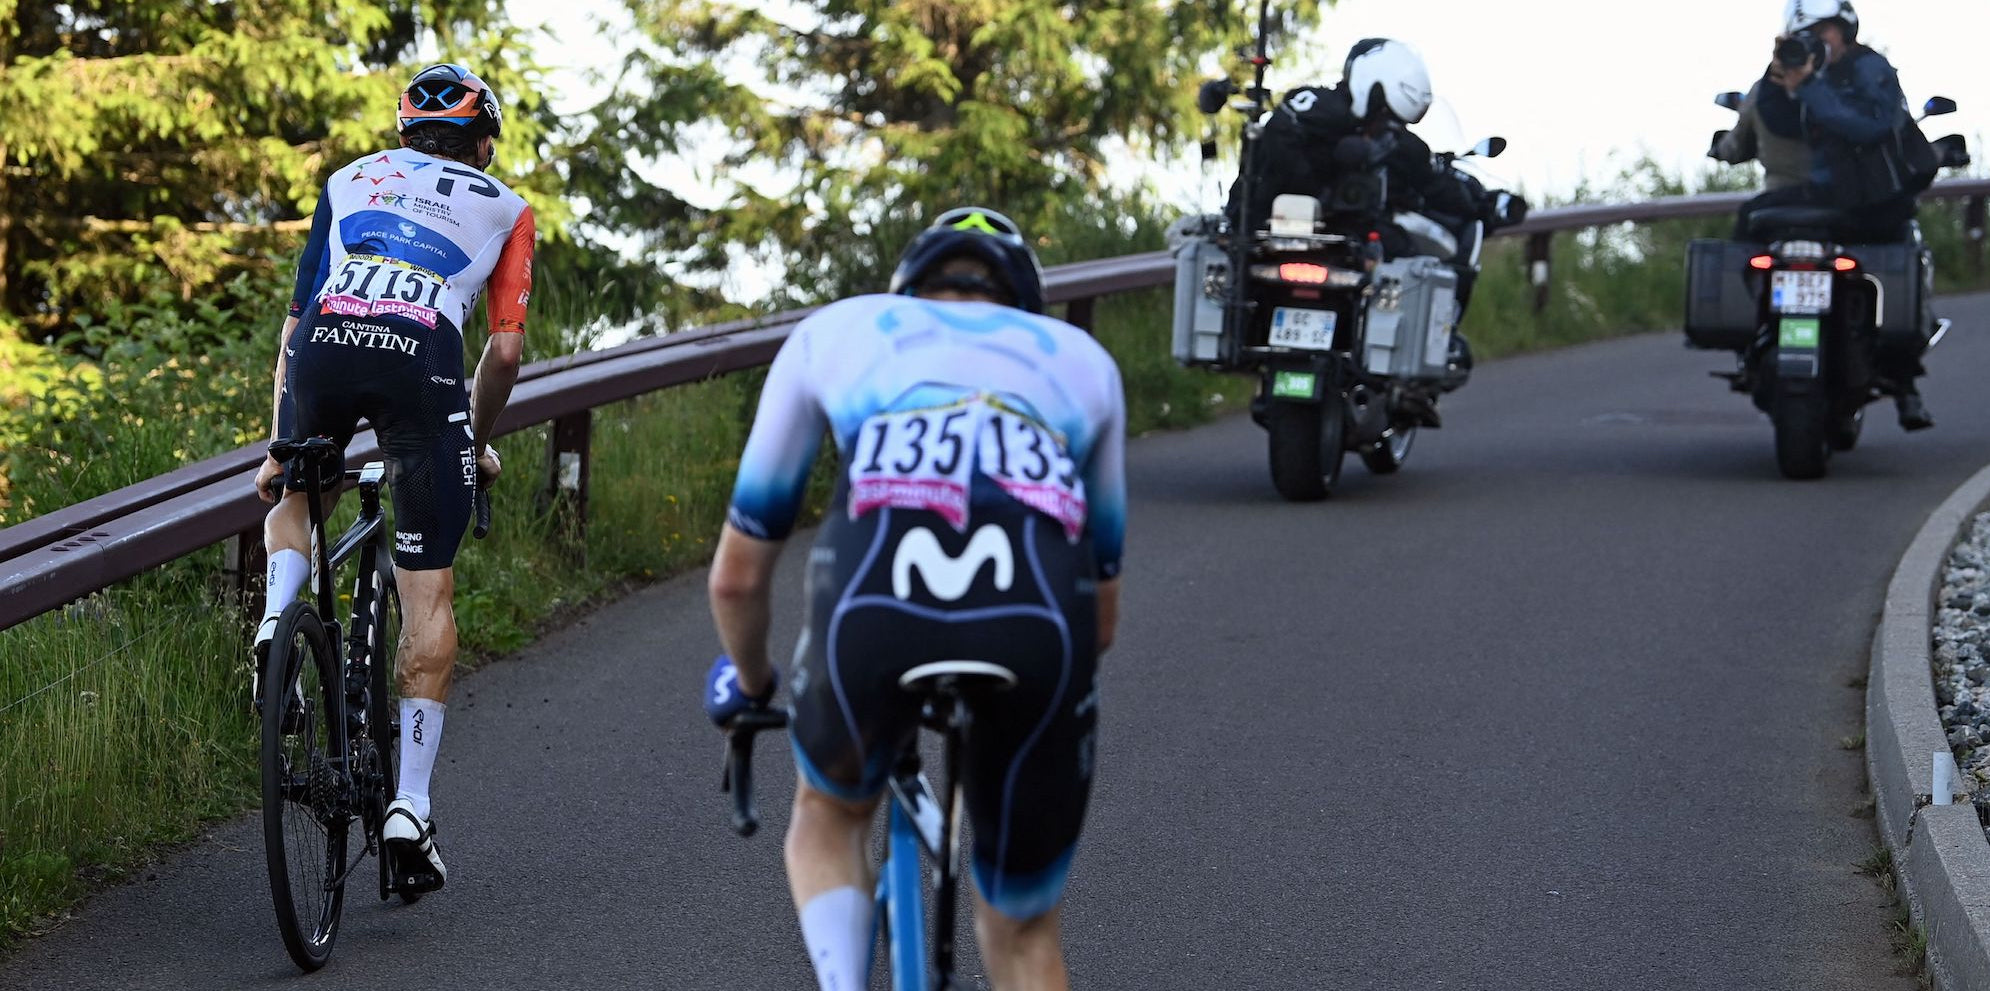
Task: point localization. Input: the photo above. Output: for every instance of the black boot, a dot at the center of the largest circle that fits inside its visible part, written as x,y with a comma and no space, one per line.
1913,413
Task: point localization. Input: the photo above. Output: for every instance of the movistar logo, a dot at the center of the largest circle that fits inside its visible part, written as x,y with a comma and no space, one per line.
948,578
978,222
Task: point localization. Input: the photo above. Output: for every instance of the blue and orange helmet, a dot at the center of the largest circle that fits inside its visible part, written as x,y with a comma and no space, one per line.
451,94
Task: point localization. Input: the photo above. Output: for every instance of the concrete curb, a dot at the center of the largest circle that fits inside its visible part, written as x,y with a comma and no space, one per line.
1939,851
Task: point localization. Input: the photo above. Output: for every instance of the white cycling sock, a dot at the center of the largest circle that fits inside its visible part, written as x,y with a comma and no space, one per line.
836,926
421,733
287,573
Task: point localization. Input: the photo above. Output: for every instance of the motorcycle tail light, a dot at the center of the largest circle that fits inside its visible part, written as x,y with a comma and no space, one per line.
1845,264
1763,262
1303,272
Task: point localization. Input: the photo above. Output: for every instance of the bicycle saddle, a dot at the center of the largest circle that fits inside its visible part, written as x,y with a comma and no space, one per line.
300,456
965,677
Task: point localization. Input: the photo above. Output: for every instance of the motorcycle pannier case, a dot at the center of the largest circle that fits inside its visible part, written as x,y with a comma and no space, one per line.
1201,277
1906,288
1411,314
1723,294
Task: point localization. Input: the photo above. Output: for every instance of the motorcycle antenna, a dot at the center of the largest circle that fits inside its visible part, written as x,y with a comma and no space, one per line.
1256,98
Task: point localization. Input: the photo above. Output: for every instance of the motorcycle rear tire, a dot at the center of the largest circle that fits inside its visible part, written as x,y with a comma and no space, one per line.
1307,442
1803,446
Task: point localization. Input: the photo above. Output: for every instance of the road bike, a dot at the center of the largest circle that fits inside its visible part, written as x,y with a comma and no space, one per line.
330,723
919,822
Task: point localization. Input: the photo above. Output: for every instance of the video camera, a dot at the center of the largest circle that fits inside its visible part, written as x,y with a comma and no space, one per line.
1802,48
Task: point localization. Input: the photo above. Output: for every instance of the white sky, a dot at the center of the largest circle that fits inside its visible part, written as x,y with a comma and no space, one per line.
1578,87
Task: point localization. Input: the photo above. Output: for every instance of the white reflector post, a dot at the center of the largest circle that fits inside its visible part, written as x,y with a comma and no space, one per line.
1946,775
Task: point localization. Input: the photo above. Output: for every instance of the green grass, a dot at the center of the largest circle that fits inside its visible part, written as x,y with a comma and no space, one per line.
125,726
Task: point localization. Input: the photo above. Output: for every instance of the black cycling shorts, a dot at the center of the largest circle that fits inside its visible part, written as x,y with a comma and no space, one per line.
407,381
899,588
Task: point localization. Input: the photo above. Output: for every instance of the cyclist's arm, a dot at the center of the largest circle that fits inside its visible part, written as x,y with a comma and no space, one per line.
766,500
1105,496
510,290
741,586
1873,108
312,269
282,368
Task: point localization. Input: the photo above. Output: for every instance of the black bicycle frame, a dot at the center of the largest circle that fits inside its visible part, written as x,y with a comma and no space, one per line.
367,539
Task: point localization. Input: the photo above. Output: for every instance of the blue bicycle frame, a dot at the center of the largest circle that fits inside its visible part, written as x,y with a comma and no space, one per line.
901,903
918,821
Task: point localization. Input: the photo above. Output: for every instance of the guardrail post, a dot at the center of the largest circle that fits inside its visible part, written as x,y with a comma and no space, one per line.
1539,246
1078,313
567,461
1973,222
244,565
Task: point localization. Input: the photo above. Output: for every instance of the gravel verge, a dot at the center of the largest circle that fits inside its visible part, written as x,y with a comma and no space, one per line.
1926,701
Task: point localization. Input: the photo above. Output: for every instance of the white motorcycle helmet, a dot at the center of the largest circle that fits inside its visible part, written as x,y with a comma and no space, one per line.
1394,71
1801,14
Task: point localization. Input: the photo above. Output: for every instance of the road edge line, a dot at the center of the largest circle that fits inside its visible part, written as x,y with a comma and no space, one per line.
1939,853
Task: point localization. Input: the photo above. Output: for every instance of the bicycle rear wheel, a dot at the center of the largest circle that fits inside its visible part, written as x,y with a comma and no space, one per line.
384,715
304,815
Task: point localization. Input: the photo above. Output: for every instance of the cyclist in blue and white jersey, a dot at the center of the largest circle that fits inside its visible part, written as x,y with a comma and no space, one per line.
403,243
979,514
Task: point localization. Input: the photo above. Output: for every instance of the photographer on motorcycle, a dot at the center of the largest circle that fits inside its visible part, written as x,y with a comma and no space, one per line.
1785,157
1842,97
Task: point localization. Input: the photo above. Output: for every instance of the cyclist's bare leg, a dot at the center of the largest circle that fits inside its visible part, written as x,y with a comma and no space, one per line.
426,660
288,528
829,873
427,655
827,844
1021,955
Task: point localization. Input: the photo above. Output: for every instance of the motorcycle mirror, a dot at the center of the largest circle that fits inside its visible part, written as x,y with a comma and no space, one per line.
1490,148
1214,94
1730,99
1937,106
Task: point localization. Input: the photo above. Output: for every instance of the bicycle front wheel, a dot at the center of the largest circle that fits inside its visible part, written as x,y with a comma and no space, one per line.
304,815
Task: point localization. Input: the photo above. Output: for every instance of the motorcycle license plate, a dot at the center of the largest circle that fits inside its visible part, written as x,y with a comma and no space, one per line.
1294,385
1312,330
1799,333
1800,292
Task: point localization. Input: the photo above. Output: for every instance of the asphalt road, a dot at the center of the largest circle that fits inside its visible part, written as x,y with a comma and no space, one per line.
1558,707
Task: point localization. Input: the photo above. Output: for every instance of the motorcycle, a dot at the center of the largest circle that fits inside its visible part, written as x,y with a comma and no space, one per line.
1807,309
1351,348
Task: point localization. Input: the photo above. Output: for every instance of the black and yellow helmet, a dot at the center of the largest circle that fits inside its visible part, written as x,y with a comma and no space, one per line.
980,233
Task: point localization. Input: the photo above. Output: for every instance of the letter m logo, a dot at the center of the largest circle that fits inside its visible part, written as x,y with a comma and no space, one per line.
949,578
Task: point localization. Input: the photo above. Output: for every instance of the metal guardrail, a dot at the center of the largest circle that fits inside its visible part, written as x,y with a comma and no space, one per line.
80,549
